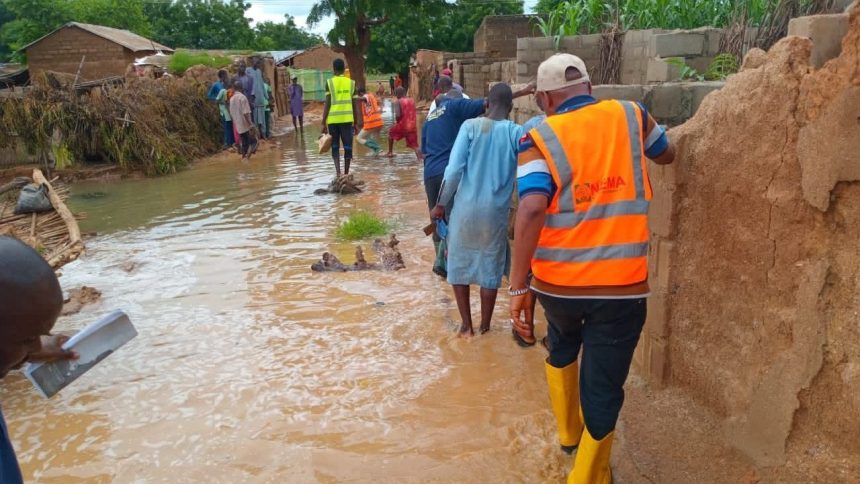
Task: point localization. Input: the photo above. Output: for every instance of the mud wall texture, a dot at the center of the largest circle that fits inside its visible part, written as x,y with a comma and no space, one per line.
64,50
756,243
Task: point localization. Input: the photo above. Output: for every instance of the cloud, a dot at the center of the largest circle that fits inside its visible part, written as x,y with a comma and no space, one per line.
274,11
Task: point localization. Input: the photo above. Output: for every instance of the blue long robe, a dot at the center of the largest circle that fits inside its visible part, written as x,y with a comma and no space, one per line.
481,170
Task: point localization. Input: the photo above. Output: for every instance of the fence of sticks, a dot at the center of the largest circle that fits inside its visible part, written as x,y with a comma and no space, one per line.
153,125
54,233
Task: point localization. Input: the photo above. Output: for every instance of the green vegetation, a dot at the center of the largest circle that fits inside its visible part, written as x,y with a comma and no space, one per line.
574,17
191,24
361,225
388,32
721,67
182,60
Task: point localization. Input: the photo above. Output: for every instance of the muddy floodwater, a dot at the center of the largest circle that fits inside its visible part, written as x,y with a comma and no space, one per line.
251,368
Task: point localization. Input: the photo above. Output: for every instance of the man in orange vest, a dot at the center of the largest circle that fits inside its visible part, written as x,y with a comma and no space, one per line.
582,230
372,114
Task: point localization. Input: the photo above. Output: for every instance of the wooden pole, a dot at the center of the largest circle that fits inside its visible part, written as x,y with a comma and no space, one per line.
76,244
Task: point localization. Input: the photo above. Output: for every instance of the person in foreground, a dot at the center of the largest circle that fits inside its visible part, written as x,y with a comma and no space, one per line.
582,228
340,115
481,172
406,127
30,302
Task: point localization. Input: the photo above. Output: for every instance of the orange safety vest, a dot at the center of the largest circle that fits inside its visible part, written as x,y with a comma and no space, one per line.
372,113
596,228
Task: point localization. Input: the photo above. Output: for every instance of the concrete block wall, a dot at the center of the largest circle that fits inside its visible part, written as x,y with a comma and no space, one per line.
636,52
497,36
643,55
826,33
670,103
532,51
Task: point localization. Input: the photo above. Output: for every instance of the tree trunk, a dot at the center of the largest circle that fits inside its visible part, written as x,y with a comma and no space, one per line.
355,61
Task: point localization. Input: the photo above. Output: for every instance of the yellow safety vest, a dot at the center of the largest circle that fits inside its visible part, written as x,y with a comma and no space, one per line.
341,90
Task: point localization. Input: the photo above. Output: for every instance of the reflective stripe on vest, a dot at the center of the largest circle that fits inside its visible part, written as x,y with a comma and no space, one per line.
596,228
372,113
340,89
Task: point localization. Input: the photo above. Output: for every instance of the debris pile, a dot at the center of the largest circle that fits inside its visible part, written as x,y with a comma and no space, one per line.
389,256
342,185
54,231
155,125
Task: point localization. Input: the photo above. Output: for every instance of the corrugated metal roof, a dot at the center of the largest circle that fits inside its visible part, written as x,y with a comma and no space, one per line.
125,38
282,55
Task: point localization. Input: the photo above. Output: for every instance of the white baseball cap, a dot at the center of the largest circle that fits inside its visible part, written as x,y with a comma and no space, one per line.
551,73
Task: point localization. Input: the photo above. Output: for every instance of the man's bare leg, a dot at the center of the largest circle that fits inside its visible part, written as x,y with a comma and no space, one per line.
294,124
461,294
488,303
390,148
302,123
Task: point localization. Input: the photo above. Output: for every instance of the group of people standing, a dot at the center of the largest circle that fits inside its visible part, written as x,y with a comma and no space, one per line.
245,106
581,234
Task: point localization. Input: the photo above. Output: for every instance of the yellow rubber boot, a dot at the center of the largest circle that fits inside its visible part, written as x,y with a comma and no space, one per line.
563,386
591,465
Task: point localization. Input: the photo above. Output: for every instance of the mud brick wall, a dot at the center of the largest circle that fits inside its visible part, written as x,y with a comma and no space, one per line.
62,52
755,284
497,36
319,58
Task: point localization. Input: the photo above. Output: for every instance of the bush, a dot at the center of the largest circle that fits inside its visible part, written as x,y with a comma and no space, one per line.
361,225
182,60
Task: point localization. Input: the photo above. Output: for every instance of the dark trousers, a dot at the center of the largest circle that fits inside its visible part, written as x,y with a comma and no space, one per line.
607,330
247,139
341,133
268,124
433,188
228,132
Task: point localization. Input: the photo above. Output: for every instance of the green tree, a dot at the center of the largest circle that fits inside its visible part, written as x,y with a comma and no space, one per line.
5,17
395,42
27,20
201,24
283,36
436,25
354,21
459,26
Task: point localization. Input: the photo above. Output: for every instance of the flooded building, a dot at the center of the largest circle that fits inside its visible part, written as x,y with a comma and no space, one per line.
97,50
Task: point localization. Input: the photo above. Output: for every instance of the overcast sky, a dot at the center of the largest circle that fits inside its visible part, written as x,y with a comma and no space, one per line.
274,10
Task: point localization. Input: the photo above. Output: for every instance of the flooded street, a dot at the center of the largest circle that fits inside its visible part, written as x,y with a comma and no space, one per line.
251,368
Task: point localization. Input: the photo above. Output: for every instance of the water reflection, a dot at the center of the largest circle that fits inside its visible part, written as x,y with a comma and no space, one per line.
249,367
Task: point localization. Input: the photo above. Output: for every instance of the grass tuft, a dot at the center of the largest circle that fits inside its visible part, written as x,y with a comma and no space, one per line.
361,225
